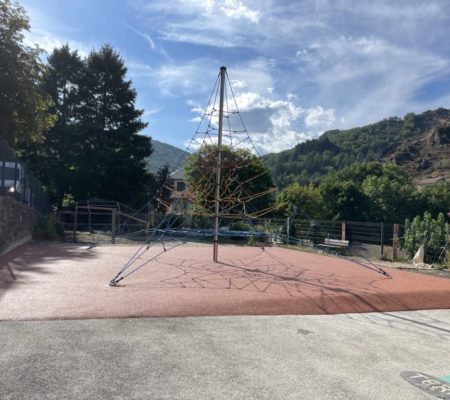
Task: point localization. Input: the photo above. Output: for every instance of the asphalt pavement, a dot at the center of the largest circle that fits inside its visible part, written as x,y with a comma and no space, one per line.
346,356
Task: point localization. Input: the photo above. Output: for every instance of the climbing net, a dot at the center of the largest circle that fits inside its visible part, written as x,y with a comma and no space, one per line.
242,190
245,186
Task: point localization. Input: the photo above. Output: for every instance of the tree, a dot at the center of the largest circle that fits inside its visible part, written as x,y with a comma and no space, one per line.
55,160
369,192
245,182
344,200
305,199
436,198
62,80
159,189
392,200
95,149
112,152
409,125
24,106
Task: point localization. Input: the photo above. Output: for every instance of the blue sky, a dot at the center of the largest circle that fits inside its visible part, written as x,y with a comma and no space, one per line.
298,68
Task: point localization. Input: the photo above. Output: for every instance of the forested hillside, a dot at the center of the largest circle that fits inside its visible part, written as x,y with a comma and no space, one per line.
165,154
419,144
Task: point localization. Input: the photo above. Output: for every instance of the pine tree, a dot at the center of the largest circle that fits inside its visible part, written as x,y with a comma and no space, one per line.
94,150
55,160
112,151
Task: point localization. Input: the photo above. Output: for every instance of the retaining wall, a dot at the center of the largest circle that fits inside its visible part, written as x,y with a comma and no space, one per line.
16,223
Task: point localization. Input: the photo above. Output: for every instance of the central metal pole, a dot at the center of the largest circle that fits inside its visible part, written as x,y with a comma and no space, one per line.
223,71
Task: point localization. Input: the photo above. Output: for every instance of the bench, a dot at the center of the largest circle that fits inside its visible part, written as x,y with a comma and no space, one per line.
335,244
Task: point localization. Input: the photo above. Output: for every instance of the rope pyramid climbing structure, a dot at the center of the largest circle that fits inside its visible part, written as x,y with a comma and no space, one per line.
225,175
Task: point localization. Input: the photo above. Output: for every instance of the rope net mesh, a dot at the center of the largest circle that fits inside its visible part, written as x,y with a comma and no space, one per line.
245,186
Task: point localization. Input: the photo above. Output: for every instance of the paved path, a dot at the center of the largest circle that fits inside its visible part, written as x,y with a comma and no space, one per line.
346,356
70,282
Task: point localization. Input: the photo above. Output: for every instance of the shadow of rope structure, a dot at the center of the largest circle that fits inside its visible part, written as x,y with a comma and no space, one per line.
66,282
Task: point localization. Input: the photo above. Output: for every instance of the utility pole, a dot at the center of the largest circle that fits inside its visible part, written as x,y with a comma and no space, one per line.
223,71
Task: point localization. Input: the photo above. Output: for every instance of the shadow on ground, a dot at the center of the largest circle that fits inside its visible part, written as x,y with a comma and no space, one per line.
266,273
58,281
36,258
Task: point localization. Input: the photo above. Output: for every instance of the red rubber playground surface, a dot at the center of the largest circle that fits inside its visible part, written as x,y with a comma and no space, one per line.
57,281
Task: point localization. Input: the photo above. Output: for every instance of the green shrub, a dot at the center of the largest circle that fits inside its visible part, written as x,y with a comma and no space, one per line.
261,228
48,228
427,231
241,226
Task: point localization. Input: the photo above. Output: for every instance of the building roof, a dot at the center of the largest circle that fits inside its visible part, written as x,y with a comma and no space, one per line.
178,174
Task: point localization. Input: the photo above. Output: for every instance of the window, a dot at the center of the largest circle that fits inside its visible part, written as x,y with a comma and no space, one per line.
181,186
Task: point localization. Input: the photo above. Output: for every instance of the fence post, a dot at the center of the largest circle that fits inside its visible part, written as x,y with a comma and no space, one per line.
3,173
148,221
75,222
113,226
395,242
15,179
25,187
22,186
90,217
382,239
288,228
344,230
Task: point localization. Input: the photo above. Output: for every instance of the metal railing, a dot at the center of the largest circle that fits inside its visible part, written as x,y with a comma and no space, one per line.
17,181
90,218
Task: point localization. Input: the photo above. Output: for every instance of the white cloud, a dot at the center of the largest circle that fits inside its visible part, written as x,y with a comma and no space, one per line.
274,142
196,77
366,60
237,10
47,41
152,111
348,58
238,84
149,40
292,96
317,117
153,46
394,10
49,34
271,123
143,35
197,21
255,75
183,79
138,69
232,9
297,68
368,78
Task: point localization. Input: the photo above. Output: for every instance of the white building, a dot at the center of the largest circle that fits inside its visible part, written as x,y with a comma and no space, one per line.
179,199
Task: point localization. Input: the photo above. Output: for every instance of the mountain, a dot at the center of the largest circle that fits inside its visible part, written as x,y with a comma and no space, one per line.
420,144
163,154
